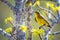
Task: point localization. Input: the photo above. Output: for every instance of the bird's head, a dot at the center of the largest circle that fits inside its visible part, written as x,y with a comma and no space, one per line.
36,14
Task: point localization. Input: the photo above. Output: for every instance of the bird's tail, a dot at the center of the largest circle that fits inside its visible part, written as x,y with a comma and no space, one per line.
49,26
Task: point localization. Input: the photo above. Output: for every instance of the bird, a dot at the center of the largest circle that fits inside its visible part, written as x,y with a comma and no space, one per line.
40,20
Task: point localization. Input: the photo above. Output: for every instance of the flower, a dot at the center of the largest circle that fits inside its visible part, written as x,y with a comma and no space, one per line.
8,19
52,6
8,30
55,9
37,3
40,31
34,32
58,8
23,28
50,37
49,4
30,4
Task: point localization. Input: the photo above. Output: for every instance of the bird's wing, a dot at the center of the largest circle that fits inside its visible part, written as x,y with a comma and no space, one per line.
35,20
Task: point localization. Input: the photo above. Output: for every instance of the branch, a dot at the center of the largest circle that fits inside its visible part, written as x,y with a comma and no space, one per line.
47,33
12,23
50,12
58,4
8,4
4,33
55,33
19,5
28,22
47,11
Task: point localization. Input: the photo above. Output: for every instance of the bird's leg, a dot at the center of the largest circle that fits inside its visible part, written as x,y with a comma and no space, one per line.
41,26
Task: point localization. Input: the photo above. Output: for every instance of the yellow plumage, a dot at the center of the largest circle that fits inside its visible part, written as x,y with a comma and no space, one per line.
40,20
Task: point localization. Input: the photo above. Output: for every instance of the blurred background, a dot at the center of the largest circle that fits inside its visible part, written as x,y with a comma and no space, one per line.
6,12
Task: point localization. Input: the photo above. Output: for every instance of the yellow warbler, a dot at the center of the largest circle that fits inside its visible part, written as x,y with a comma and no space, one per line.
8,19
40,20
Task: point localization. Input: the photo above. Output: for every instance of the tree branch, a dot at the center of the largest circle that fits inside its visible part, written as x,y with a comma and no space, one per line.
19,5
48,11
28,22
55,33
47,33
8,4
4,33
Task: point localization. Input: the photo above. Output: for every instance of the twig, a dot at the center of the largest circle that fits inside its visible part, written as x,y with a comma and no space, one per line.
55,33
47,33
40,37
12,23
4,33
19,5
48,11
28,23
8,4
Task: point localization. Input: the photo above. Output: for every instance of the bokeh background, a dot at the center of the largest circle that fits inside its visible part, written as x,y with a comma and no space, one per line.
6,12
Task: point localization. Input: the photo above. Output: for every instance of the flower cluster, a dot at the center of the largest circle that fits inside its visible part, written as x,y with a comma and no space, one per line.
8,19
52,6
24,29
38,31
37,3
8,30
50,37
